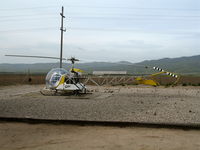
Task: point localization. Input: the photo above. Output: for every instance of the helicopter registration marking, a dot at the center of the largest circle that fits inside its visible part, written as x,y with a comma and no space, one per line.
67,86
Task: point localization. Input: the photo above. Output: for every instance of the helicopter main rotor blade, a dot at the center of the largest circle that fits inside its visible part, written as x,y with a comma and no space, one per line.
35,56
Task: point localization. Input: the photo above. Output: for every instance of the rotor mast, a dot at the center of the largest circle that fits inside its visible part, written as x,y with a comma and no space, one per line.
62,29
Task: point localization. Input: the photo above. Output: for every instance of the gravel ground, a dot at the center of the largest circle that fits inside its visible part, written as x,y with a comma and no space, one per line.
174,105
22,136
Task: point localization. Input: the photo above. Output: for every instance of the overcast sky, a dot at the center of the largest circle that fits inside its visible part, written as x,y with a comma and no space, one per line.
100,30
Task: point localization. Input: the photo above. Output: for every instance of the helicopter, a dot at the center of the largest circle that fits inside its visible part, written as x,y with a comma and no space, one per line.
61,80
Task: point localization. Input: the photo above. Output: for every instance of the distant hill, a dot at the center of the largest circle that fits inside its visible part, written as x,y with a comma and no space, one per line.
185,65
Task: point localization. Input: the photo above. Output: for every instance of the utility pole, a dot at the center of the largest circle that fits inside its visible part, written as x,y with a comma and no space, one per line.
62,29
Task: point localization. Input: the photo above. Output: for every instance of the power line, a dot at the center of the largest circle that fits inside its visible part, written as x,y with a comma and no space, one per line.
102,7
71,29
136,8
26,19
131,15
30,15
29,29
134,18
28,8
102,29
122,15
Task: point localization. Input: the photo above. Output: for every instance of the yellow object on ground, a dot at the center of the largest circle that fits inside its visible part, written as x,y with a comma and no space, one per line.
153,82
141,80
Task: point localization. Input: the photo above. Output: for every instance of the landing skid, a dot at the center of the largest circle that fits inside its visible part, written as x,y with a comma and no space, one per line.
49,92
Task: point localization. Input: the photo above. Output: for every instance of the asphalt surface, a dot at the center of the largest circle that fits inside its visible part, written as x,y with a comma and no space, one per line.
160,105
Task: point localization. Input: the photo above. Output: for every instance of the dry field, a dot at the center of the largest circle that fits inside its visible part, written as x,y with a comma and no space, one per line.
13,79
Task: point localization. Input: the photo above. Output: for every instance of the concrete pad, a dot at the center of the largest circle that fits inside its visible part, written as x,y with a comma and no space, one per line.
141,104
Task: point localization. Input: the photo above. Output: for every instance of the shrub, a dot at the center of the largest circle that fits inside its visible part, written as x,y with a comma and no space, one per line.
168,84
184,84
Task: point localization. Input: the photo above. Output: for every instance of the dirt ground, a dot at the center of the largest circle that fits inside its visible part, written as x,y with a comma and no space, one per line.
22,136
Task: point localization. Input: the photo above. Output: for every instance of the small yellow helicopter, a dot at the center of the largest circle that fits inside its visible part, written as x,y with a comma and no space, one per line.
61,80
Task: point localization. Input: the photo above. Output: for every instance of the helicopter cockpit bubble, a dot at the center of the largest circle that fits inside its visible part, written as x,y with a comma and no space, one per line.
54,76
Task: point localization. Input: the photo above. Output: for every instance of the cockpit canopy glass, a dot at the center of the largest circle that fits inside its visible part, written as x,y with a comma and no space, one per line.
54,76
